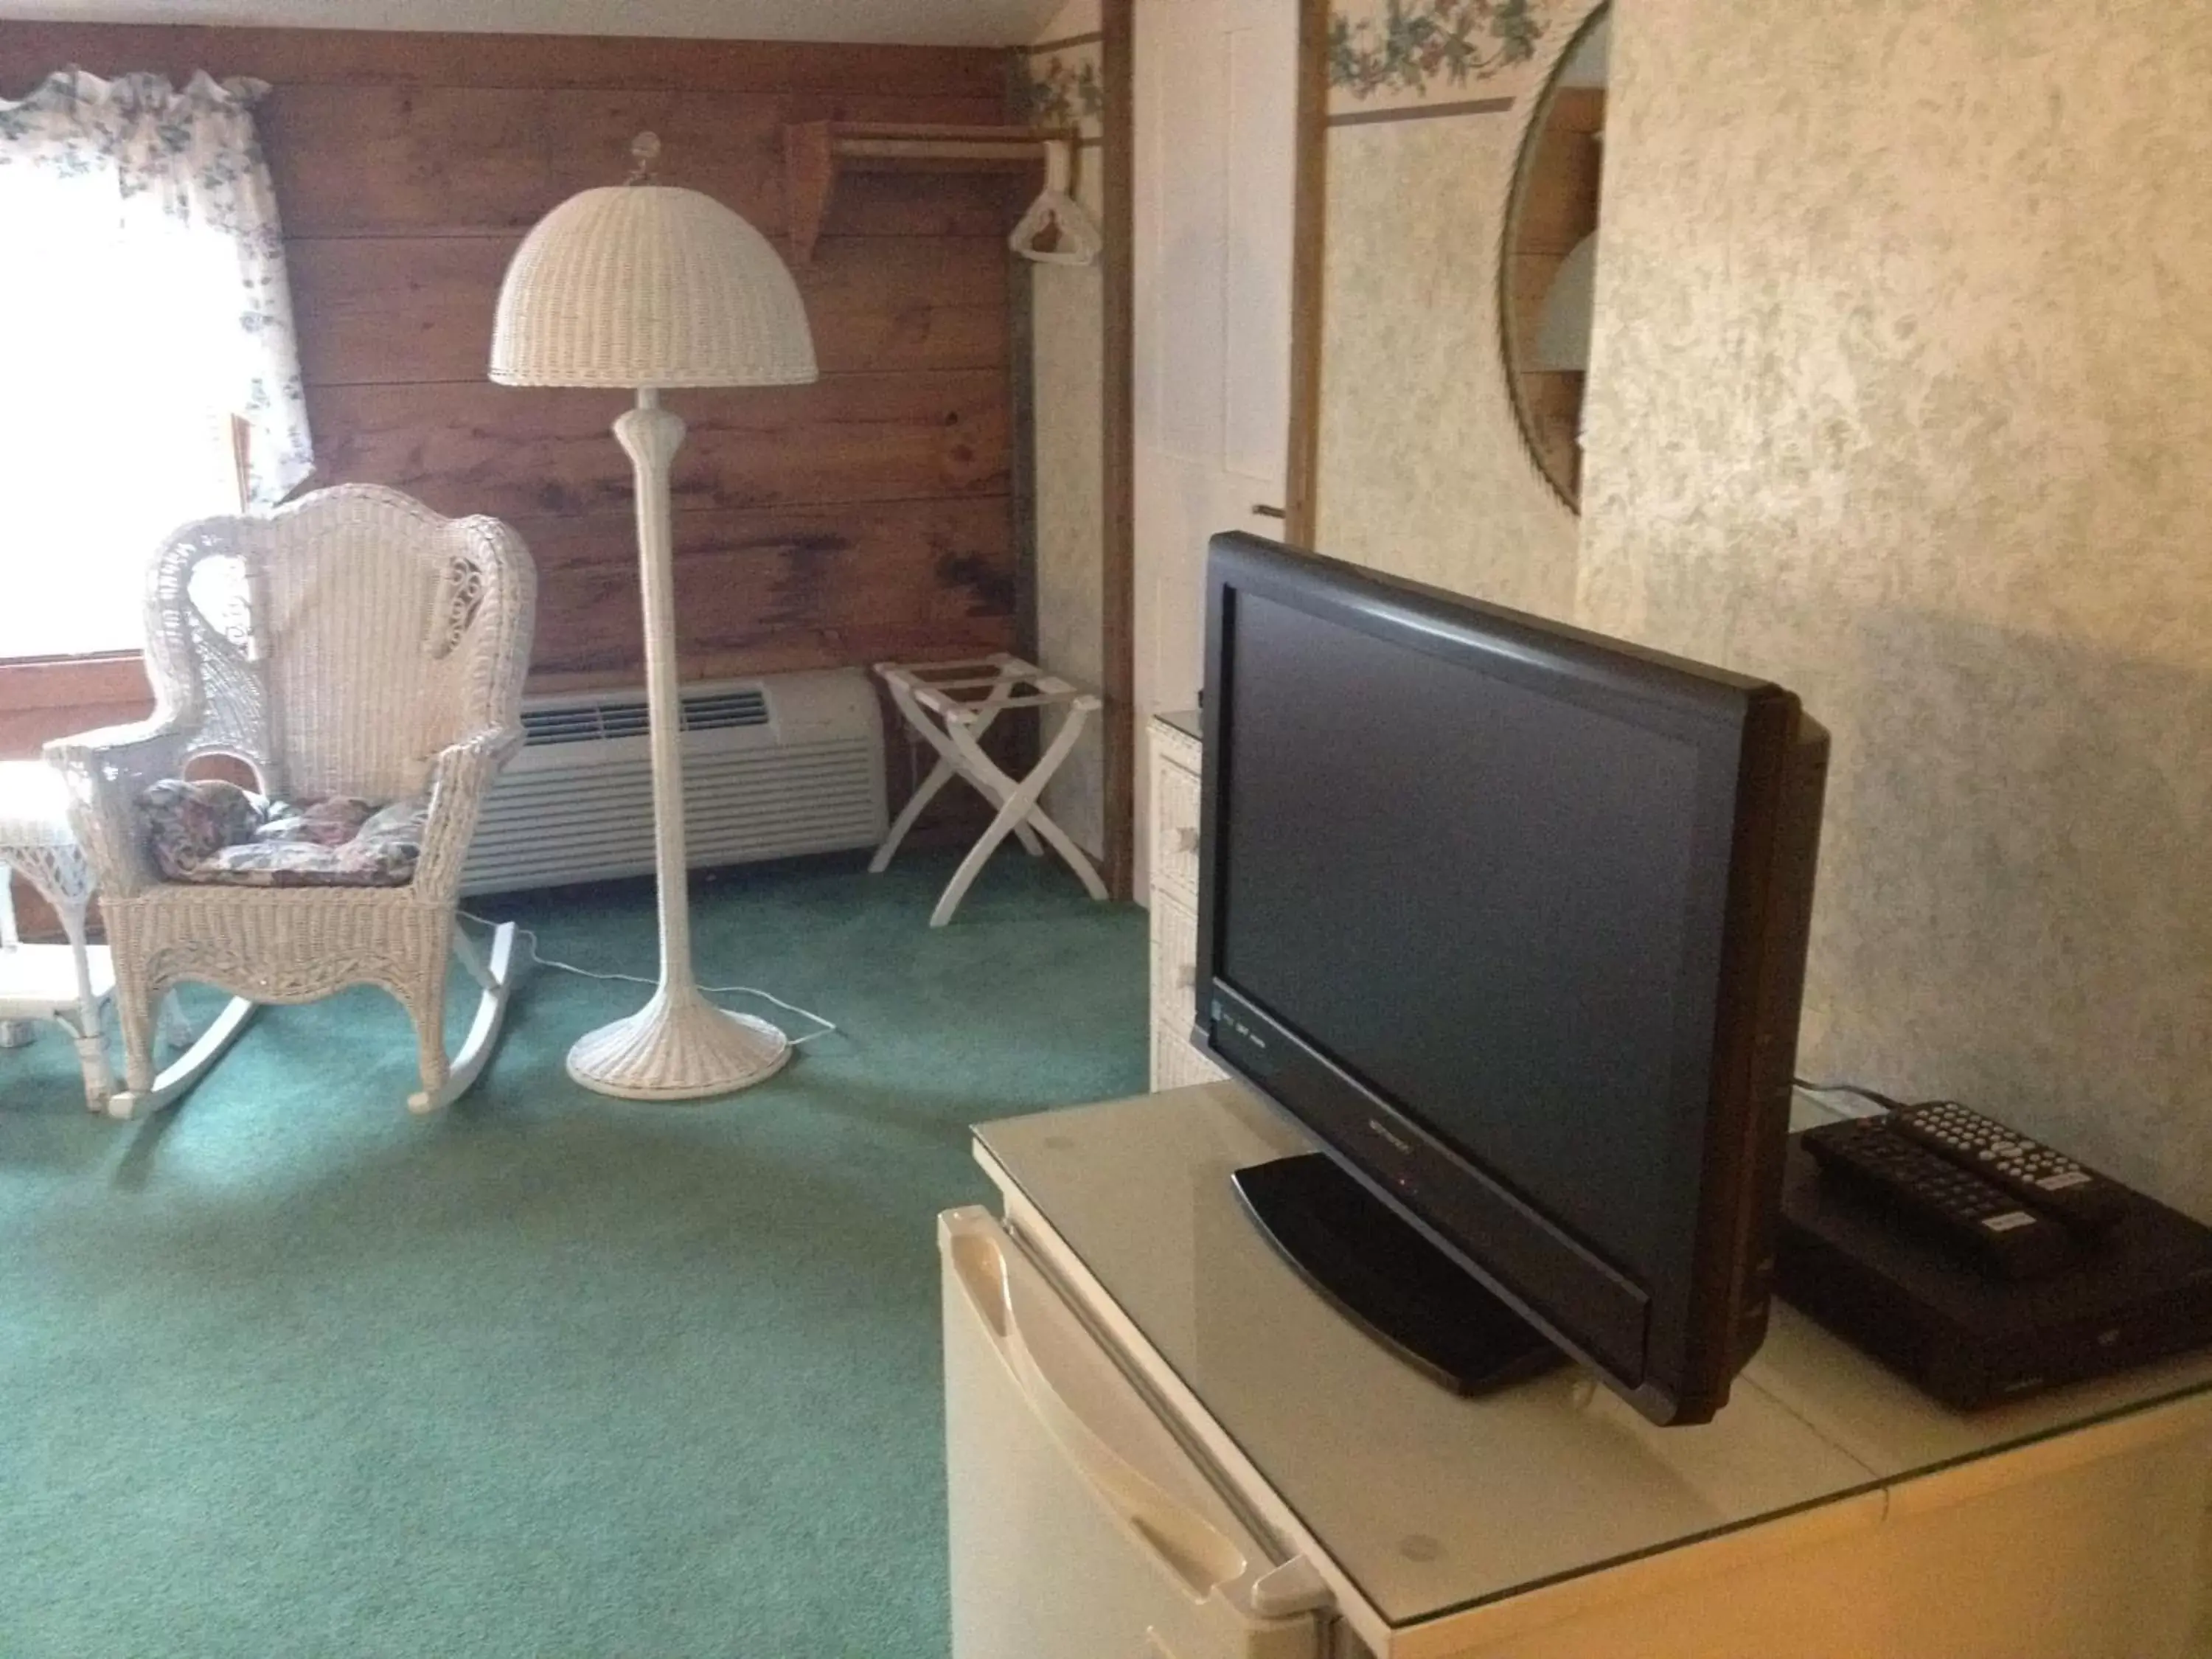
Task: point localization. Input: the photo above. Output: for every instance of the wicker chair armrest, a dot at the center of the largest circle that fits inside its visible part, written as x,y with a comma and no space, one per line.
460,778
103,771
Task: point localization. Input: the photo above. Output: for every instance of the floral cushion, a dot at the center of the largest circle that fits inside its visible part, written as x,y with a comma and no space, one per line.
210,831
188,822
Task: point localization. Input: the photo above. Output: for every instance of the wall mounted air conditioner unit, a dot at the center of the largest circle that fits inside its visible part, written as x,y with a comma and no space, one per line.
785,764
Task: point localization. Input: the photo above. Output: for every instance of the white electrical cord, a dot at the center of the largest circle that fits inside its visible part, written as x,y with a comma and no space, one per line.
1860,1101
530,938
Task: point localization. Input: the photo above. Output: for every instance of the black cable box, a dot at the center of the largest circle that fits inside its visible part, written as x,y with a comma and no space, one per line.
2140,1292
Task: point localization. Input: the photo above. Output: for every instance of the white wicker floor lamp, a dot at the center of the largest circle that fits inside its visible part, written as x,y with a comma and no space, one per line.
644,287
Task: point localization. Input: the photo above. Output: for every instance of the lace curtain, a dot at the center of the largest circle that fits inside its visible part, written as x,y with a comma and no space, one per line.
143,304
181,171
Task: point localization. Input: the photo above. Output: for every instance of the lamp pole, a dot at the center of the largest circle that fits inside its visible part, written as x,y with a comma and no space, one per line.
678,1046
645,287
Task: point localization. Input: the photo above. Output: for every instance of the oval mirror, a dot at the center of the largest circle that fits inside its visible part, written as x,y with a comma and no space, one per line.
1547,274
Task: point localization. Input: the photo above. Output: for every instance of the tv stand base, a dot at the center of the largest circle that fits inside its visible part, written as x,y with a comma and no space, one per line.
1387,1279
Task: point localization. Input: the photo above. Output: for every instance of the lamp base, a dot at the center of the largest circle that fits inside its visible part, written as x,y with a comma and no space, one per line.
679,1047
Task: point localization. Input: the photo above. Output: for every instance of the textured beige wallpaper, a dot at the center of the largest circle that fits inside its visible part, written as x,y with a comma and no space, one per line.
1067,386
1068,347
1421,469
1902,393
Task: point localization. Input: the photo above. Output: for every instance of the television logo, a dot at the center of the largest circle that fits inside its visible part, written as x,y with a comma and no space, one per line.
1401,1146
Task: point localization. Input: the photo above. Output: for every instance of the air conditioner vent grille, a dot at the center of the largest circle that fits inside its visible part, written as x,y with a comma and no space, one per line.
591,722
788,764
626,717
716,711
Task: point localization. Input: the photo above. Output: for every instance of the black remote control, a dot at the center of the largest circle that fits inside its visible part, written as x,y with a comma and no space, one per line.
2050,1181
1905,1178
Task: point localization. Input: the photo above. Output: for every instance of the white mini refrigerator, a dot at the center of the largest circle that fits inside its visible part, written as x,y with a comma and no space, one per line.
1081,1528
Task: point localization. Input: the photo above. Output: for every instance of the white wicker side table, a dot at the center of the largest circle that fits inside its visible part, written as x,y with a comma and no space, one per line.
67,983
951,705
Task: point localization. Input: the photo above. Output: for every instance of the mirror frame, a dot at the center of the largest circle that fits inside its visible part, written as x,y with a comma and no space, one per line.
1531,125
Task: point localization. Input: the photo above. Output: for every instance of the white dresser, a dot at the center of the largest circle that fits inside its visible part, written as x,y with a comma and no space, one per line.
1163,1445
1174,900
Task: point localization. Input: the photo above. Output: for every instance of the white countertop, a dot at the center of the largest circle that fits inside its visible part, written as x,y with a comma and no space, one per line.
1430,1501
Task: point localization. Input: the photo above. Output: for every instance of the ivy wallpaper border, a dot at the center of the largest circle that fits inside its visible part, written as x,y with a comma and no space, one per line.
1475,56
1067,85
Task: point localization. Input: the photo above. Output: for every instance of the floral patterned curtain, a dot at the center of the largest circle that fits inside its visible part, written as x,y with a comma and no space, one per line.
175,183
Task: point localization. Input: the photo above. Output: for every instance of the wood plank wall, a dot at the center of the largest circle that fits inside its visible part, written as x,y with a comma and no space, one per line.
867,516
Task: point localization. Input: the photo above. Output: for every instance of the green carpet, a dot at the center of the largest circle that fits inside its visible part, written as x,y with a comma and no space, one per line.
286,1371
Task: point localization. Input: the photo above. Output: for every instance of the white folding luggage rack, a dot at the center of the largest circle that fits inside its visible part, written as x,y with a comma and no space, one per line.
953,705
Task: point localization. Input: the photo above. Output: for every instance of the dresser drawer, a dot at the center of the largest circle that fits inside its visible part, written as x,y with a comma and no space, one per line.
1174,830
1172,743
1175,959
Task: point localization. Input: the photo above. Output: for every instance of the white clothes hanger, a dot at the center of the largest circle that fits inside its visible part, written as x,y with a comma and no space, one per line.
1078,240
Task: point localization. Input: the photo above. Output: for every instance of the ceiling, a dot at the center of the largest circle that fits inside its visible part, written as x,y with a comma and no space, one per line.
920,22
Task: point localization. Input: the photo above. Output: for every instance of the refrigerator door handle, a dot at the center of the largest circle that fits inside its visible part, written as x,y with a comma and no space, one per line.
1294,1587
1196,1554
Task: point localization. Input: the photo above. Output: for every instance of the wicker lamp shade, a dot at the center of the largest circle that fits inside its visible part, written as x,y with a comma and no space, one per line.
645,287
649,285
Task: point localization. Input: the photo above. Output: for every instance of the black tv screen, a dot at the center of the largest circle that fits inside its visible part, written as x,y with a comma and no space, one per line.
1512,918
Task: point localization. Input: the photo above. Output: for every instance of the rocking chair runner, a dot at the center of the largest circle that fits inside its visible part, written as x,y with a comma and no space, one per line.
355,643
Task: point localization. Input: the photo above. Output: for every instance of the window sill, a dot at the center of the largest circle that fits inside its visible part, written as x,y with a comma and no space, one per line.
46,698
93,669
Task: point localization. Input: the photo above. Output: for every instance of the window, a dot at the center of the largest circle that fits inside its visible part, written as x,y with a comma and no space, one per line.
146,333
113,435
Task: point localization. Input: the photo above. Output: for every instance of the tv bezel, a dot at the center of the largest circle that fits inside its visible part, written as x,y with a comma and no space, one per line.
1704,1310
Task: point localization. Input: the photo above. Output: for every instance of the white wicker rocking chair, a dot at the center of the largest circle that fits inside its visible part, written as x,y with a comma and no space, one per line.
353,643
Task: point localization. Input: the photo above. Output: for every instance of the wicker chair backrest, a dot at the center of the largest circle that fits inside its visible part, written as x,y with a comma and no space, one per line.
340,642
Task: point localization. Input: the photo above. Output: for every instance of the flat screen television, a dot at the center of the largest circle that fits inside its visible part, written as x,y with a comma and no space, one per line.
1512,918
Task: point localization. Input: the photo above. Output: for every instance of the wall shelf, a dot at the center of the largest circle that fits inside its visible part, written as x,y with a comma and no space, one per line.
815,152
